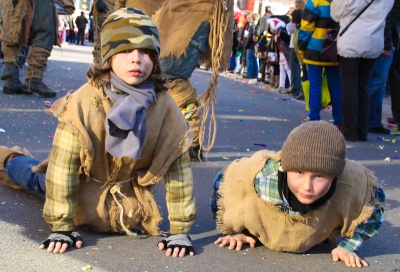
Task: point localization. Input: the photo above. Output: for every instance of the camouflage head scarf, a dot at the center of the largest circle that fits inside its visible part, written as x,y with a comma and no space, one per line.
127,29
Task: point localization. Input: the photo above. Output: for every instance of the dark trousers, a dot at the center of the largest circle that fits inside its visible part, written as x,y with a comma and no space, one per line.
394,81
81,37
354,73
262,62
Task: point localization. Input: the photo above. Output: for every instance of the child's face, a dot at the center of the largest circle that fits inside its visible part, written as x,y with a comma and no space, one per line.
133,66
308,187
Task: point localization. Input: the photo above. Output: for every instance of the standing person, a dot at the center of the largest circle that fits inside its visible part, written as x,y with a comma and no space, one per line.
263,42
91,28
118,135
377,83
394,71
315,23
81,22
292,29
41,36
251,60
299,197
358,48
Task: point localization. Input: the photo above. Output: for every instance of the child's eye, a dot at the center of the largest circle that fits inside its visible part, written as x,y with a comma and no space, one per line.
144,51
299,172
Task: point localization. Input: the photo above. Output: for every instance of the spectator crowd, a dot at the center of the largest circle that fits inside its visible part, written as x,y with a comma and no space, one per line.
284,51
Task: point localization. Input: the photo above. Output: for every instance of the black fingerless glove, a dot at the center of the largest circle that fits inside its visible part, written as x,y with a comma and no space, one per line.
178,241
64,237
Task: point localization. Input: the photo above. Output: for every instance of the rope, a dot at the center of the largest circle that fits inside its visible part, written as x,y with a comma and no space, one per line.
219,24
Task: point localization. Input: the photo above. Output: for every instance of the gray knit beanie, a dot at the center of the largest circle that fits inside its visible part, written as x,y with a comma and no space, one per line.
315,146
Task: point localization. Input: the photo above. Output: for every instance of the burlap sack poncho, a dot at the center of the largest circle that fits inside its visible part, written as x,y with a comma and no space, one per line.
241,208
166,139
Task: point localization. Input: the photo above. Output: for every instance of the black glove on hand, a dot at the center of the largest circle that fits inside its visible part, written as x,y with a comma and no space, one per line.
64,237
101,6
178,241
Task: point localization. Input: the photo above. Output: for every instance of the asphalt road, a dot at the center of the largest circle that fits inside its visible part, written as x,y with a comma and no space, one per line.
250,118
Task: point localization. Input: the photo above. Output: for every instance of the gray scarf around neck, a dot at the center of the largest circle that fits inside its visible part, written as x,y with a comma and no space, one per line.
125,123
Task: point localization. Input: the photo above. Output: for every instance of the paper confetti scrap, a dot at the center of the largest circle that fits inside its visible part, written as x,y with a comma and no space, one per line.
261,145
225,158
396,157
387,159
253,91
2,130
381,147
241,110
271,132
86,267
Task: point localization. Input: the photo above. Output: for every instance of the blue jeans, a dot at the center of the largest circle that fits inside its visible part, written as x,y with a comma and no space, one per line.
335,90
184,66
19,171
376,89
252,64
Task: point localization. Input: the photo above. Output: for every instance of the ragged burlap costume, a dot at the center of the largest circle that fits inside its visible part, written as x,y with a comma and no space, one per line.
29,23
241,208
190,30
102,175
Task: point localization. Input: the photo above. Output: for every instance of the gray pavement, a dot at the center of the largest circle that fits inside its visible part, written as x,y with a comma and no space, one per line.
250,118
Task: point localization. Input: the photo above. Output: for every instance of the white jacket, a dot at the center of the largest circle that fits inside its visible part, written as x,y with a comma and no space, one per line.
365,37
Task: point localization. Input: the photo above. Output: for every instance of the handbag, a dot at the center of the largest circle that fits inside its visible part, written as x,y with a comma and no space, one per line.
325,96
329,45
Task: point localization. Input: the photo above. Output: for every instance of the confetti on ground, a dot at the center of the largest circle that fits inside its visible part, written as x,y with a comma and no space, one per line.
225,158
387,159
86,267
247,149
241,110
271,132
2,130
261,145
381,147
265,108
253,91
396,157
393,141
242,121
51,137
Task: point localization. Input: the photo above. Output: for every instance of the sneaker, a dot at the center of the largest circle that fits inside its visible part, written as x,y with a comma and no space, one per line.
379,130
195,155
14,86
39,88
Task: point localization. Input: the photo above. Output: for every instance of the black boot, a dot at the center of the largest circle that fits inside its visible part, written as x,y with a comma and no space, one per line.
14,86
39,88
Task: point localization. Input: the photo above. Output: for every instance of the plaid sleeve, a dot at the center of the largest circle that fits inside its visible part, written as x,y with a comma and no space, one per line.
180,199
62,180
369,228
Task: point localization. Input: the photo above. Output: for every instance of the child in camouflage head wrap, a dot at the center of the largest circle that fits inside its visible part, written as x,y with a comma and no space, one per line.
119,134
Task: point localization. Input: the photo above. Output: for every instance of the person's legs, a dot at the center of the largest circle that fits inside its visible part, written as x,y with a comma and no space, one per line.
19,171
314,100
349,73
335,91
365,69
394,79
282,76
295,70
43,37
262,64
249,63
376,90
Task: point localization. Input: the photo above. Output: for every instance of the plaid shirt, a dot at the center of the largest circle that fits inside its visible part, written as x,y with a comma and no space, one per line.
266,186
62,186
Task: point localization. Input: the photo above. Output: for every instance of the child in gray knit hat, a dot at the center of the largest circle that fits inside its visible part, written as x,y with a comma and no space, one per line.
118,135
303,195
